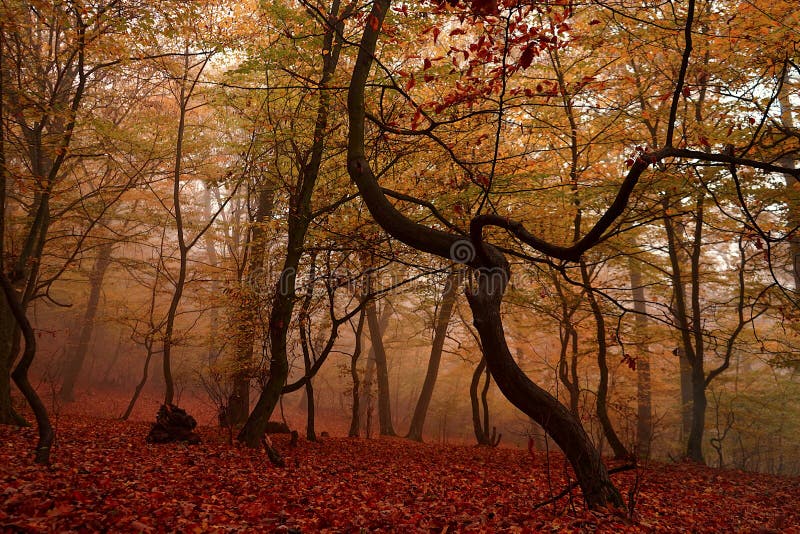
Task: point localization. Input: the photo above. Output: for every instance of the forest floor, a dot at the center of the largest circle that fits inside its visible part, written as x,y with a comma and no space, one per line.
104,477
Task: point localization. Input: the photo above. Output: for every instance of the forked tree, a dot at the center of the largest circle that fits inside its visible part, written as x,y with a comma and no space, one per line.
488,262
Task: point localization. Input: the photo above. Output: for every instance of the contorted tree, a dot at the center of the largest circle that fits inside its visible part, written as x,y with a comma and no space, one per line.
489,264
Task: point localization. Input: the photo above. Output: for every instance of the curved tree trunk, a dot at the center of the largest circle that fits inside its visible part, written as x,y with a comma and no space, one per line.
534,401
20,375
142,382
492,273
477,422
8,353
602,387
8,325
440,333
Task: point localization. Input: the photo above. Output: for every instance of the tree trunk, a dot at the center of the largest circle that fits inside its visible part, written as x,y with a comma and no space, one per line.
299,220
694,447
8,354
75,362
449,296
142,382
355,419
492,273
382,372
239,403
602,387
367,395
214,347
477,422
686,392
183,249
792,184
20,374
534,401
644,410
8,416
688,317
311,433
568,338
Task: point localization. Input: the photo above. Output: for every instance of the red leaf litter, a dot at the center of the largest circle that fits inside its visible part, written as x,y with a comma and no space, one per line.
105,478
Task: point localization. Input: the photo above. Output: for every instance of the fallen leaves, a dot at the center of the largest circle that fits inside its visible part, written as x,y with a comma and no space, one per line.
106,478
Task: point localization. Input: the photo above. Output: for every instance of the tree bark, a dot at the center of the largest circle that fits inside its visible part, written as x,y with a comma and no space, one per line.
442,321
477,422
792,184
239,403
382,372
20,374
355,419
602,387
299,220
75,362
534,401
644,410
688,317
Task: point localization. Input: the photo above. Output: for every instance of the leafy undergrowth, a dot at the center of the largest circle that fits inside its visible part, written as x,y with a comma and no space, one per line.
104,477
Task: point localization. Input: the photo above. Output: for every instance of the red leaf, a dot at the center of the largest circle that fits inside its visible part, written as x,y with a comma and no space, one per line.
527,56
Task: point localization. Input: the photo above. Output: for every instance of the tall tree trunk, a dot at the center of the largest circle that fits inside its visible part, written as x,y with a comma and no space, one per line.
449,296
239,403
213,261
307,349
685,375
299,220
602,387
355,422
367,396
792,184
382,372
688,317
75,362
568,337
7,323
183,249
644,410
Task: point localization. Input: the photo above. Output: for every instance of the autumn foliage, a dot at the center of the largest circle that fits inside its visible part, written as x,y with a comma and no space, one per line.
106,478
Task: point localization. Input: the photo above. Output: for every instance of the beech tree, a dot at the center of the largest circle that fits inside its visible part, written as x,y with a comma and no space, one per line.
489,263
